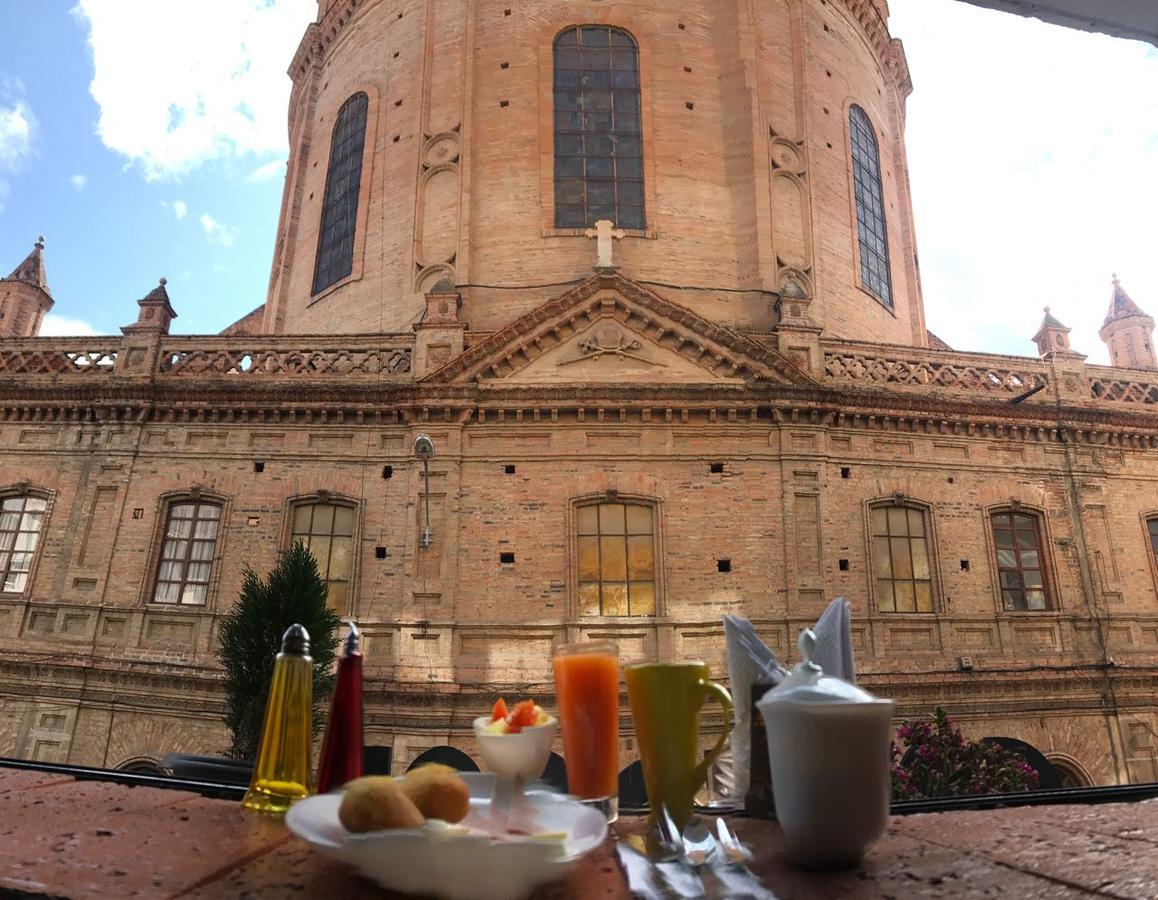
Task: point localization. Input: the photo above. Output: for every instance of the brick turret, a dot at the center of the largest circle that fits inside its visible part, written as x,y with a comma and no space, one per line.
1053,338
1128,332
25,297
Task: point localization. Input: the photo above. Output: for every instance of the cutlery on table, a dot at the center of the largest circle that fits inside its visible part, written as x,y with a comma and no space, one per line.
730,867
734,851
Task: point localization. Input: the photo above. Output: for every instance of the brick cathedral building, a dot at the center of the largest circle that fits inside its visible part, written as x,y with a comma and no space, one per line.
723,399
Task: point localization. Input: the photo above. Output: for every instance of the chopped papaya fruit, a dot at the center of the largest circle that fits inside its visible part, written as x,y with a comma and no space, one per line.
500,710
523,716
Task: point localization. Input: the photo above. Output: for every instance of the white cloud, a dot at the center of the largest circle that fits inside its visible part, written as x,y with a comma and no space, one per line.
1032,169
180,209
62,326
269,170
217,90
78,182
17,132
216,232
17,127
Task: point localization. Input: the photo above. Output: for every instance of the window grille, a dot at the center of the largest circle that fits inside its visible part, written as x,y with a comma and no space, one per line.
616,557
598,131
870,208
339,221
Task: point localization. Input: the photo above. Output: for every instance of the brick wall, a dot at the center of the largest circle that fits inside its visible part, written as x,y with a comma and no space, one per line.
747,174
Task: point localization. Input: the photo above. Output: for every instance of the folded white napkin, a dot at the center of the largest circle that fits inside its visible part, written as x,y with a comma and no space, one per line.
750,660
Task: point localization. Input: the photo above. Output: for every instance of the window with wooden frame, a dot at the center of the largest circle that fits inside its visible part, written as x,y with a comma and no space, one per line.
188,547
598,129
1021,567
902,565
21,525
872,230
327,530
1152,529
616,559
335,259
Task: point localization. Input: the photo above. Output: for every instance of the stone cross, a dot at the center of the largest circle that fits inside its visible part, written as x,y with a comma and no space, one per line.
605,232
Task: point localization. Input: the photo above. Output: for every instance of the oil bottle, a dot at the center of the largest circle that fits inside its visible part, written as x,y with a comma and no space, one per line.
282,774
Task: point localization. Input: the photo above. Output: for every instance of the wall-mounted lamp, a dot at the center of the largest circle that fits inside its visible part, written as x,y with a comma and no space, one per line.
424,450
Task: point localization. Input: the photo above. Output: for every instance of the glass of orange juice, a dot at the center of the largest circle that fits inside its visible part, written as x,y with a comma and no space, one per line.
587,687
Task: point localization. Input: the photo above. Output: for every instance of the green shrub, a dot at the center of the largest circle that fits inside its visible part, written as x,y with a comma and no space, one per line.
251,636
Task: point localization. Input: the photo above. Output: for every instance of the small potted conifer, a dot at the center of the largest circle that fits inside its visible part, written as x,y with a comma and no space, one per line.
250,638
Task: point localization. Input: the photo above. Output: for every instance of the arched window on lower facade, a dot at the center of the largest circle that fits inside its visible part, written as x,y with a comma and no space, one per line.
902,558
1152,529
326,528
188,549
616,554
21,525
1021,563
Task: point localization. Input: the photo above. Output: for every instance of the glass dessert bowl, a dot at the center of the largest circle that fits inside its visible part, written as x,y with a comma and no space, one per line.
516,744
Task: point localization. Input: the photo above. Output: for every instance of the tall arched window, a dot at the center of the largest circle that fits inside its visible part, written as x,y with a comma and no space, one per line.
902,561
21,524
870,208
1020,561
340,208
616,559
598,131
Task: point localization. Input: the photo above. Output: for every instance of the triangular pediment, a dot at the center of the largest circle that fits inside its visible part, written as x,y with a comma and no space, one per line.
612,330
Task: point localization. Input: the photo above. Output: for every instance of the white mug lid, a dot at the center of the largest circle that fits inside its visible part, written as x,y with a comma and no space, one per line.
809,684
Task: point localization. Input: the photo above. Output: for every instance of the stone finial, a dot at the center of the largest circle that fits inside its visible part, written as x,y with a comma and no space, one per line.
1053,338
156,312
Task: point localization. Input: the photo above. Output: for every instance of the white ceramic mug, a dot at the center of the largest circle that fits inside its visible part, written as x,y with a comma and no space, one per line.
830,777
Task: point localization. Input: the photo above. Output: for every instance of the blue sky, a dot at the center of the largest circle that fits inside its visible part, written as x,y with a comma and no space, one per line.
147,138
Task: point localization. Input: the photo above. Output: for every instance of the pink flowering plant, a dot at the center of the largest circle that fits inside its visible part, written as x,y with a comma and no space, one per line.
936,761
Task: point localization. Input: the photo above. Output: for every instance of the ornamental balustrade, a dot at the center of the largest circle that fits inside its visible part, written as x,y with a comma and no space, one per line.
284,357
1121,386
879,366
58,357
372,357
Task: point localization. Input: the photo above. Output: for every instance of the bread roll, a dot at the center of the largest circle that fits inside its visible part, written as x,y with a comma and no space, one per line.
377,802
438,793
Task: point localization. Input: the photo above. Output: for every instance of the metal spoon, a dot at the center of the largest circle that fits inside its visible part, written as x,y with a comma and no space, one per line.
734,851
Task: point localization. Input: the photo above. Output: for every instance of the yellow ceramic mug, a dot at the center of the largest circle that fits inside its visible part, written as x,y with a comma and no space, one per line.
666,699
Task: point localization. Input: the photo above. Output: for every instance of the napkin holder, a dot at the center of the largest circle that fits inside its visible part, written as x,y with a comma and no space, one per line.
758,802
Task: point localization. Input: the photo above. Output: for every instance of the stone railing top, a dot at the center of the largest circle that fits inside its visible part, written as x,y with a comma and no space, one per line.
286,356
1111,385
376,357
882,365
88,357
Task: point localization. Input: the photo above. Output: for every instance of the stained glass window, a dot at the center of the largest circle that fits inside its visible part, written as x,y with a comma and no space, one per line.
598,131
1020,565
21,524
616,553
901,562
187,551
327,530
870,208
340,208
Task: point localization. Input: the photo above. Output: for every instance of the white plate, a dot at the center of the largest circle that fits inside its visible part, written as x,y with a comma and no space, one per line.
444,861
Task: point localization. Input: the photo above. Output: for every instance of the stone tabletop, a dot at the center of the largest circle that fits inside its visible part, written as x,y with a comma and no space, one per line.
77,839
